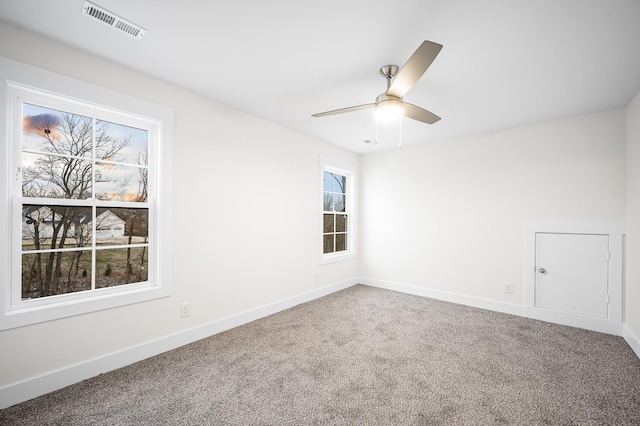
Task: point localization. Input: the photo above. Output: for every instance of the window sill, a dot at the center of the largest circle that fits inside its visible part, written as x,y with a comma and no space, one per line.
27,315
333,258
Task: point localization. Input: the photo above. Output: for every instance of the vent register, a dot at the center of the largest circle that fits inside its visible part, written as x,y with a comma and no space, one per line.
113,20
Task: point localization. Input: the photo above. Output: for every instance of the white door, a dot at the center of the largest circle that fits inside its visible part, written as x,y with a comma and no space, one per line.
571,273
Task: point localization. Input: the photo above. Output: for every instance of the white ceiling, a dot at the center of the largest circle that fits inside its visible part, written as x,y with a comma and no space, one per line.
504,63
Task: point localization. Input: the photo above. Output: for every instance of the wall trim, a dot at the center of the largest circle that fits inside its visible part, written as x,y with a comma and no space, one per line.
574,227
601,325
595,324
631,339
461,299
31,388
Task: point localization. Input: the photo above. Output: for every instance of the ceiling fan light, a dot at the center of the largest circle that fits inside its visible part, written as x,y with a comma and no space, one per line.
389,110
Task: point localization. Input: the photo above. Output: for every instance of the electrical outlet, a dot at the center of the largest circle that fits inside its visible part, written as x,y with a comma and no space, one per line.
185,309
508,287
316,276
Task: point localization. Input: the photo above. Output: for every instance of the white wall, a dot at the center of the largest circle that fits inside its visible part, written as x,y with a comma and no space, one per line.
446,216
632,284
245,221
449,216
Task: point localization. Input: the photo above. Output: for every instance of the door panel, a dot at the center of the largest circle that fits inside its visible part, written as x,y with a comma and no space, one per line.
572,273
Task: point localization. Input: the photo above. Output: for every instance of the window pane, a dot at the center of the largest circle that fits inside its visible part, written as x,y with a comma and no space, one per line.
49,227
118,226
328,202
121,183
52,131
48,274
120,143
50,176
338,202
341,242
121,266
341,223
339,183
328,182
328,243
328,223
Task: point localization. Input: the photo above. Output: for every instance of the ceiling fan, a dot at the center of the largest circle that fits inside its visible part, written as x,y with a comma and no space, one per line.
399,82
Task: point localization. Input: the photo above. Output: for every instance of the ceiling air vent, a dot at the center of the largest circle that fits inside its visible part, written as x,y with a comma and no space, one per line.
113,20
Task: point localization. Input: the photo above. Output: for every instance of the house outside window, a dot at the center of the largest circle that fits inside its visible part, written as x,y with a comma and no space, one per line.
85,218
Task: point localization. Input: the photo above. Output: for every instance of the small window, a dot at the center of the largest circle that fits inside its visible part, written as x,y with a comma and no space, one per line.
335,217
337,235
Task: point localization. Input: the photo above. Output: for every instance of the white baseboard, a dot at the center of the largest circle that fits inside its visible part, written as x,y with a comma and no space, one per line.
461,299
631,339
601,325
23,391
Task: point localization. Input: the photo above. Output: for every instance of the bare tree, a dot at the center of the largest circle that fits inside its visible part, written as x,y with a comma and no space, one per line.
64,170
34,217
140,197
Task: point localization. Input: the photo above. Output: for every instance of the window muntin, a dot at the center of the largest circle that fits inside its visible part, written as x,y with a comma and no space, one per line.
335,236
83,198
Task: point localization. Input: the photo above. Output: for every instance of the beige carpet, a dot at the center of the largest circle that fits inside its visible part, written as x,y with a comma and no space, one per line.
365,356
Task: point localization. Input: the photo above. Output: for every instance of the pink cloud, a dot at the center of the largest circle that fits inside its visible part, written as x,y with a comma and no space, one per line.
45,125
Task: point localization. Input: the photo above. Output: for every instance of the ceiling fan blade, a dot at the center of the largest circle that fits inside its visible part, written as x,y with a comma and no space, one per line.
420,114
413,69
343,110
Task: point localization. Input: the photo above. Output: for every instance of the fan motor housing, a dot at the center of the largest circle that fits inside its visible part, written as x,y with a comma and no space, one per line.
384,99
388,107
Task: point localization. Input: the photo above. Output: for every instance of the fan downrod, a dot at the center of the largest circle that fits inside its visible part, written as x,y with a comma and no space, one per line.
388,72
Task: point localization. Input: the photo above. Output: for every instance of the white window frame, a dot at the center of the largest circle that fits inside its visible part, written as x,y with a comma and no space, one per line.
20,82
349,171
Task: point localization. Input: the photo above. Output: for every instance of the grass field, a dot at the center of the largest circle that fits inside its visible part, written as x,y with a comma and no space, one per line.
75,271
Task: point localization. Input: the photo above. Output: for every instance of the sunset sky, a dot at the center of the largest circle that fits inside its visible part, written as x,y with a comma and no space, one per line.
37,120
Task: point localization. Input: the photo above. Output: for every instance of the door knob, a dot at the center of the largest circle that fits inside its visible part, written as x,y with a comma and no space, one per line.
542,270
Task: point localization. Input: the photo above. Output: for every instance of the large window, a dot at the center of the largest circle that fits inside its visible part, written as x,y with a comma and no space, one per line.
337,233
84,190
83,198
